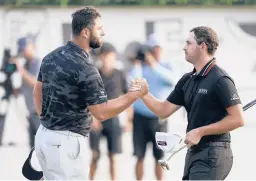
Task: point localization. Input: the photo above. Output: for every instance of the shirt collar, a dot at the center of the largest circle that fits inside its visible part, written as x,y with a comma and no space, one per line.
77,48
206,68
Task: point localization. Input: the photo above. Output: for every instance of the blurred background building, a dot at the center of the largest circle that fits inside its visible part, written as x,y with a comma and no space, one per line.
127,23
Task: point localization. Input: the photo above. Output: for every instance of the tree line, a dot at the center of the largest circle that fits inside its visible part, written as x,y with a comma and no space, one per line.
127,2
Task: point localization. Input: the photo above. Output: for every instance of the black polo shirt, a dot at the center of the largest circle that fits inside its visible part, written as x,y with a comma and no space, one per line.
205,97
115,83
70,83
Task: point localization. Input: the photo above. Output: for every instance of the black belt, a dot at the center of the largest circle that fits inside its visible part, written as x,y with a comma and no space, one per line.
196,148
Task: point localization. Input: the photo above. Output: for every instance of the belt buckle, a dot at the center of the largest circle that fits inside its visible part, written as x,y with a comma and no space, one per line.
226,145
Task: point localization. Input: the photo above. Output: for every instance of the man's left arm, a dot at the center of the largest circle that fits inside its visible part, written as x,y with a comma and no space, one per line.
227,93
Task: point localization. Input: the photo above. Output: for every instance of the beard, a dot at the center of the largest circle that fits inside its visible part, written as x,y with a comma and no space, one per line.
95,43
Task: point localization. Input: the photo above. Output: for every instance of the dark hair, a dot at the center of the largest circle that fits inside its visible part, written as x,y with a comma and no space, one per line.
84,18
130,50
208,36
141,52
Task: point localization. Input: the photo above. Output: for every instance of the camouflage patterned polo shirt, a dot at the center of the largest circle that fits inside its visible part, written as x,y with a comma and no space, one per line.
70,84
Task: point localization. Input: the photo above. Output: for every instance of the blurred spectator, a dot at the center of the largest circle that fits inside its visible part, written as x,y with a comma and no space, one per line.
161,78
28,66
165,71
129,54
115,84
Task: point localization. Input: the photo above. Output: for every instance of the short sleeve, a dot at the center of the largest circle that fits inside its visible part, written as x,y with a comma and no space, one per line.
177,95
92,89
227,92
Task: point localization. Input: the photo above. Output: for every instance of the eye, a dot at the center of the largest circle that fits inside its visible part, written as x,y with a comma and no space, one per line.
100,27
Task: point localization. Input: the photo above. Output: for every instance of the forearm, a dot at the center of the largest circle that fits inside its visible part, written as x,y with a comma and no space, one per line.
227,124
155,105
115,106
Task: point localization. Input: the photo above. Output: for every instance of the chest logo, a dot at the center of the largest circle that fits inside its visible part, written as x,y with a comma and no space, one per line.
202,91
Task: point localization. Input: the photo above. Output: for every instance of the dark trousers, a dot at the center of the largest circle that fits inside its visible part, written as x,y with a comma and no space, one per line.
144,130
211,162
112,131
34,123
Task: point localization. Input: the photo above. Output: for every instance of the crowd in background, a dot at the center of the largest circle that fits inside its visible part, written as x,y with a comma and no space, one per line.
143,59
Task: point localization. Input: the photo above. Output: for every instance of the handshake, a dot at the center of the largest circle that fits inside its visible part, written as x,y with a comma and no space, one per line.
140,85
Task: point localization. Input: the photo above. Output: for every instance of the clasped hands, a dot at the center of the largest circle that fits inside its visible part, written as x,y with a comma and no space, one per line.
139,84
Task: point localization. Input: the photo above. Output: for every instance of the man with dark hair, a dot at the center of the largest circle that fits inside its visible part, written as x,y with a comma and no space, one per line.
115,84
68,92
208,36
213,108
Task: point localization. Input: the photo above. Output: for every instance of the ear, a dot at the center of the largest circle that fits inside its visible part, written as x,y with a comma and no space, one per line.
203,46
85,33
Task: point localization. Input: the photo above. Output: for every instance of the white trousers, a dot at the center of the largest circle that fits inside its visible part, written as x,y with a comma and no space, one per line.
63,155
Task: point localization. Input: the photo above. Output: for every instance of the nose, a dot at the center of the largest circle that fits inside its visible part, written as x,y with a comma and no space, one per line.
185,48
102,33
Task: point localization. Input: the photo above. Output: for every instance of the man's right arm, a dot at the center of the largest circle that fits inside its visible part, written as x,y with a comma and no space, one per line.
37,93
162,109
166,108
95,97
113,107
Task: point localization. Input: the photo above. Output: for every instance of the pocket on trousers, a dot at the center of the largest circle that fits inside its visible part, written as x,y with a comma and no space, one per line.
229,154
73,148
219,155
214,156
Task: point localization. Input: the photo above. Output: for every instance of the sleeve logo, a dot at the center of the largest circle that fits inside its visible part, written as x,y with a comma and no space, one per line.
235,97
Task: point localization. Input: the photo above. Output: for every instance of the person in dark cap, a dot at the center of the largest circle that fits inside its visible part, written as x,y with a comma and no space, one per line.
28,66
